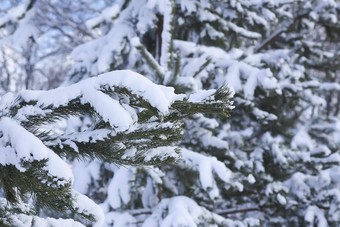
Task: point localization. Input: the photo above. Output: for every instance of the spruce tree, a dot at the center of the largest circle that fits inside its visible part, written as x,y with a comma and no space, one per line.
273,162
134,122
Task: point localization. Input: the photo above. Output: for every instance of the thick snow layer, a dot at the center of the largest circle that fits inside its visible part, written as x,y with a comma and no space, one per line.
85,205
20,218
314,214
111,110
298,186
201,95
208,167
23,220
248,70
97,55
105,16
119,187
82,176
180,211
25,28
161,153
302,140
282,200
100,102
330,86
119,219
232,78
47,222
149,199
24,146
189,6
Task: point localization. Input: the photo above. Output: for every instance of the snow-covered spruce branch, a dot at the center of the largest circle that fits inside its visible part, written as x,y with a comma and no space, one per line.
136,122
28,167
133,121
143,146
28,216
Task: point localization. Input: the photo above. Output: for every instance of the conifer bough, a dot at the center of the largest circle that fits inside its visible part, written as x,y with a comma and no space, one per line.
136,122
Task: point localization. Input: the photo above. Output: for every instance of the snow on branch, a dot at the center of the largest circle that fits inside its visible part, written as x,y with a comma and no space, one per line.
181,211
93,92
18,145
208,167
135,122
25,30
14,14
134,115
27,216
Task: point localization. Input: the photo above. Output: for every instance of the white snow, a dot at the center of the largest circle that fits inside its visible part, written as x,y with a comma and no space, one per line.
180,211
330,86
149,199
202,95
282,200
302,140
129,153
14,13
232,78
82,177
85,205
161,153
23,220
314,213
101,102
165,7
248,70
243,32
25,28
251,179
298,186
208,167
118,189
189,6
88,91
47,222
119,219
26,147
107,15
